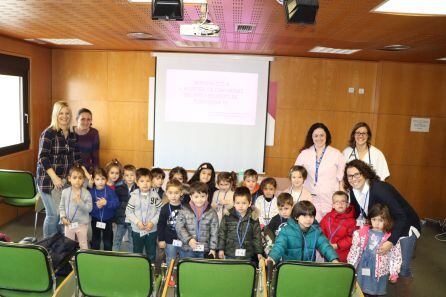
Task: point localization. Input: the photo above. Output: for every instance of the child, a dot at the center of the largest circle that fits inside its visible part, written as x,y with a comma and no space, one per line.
239,235
300,238
104,204
285,204
114,173
158,176
123,192
167,236
250,178
298,175
178,173
223,197
143,211
75,206
205,173
267,203
374,268
197,224
339,224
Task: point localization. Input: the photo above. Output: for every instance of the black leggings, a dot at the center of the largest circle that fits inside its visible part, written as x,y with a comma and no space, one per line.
105,234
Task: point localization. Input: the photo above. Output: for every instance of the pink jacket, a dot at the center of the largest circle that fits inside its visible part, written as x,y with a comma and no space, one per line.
388,263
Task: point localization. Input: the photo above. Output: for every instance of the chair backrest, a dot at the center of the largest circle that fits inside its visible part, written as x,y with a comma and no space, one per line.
310,279
26,268
102,273
17,184
216,278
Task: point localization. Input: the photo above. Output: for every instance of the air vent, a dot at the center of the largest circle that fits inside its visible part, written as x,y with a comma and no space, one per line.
198,44
244,28
141,36
394,48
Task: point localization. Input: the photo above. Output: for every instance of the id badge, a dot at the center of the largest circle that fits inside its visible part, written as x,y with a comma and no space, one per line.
199,248
73,225
100,225
143,233
177,243
360,222
240,252
365,271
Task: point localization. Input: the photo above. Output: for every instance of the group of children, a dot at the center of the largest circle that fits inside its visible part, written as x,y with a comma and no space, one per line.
199,219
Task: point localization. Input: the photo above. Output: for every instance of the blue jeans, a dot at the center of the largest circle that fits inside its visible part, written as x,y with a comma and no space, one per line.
171,252
121,229
191,254
51,217
407,249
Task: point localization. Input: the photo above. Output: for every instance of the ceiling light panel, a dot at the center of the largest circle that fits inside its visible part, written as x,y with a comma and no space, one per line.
412,7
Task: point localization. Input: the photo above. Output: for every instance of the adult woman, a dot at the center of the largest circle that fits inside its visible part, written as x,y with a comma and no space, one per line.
325,166
360,148
366,189
57,154
87,139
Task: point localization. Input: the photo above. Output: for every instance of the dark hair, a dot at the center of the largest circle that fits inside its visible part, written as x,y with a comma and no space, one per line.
363,168
174,183
198,187
299,169
230,177
340,193
303,208
143,172
158,172
129,167
81,111
268,181
76,168
114,163
196,176
382,211
352,142
242,191
250,172
178,170
99,171
309,137
285,198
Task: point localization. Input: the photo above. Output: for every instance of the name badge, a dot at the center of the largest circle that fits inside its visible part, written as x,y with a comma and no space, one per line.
360,222
177,243
143,233
73,225
240,252
100,225
199,248
365,271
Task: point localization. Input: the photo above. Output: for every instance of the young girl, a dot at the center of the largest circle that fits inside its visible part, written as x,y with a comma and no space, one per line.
222,200
114,173
373,268
105,203
75,206
180,174
205,173
297,176
267,203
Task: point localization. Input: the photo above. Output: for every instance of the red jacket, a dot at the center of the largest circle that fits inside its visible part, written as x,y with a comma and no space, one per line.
339,227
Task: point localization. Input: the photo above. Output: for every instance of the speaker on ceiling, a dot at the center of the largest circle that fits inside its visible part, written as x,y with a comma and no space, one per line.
301,11
167,10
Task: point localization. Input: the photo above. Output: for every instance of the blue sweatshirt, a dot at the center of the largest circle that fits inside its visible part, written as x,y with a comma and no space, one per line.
108,211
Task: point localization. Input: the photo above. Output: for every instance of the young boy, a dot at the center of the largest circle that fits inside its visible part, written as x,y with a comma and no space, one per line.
167,236
250,178
197,224
300,238
339,224
143,212
285,204
239,236
123,192
158,176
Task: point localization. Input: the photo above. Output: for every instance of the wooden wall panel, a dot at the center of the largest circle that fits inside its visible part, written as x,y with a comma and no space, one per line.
39,110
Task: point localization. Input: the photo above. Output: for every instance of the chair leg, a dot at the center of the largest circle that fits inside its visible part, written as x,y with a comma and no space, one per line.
35,224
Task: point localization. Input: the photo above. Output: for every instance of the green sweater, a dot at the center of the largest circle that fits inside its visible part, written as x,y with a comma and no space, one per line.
295,244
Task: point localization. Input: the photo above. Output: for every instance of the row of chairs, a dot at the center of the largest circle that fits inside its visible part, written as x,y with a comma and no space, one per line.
26,270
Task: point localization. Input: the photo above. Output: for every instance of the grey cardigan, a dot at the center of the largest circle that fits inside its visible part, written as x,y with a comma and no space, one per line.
68,207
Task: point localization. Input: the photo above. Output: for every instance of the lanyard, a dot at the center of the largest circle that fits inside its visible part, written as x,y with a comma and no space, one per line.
269,209
144,220
68,208
362,207
318,163
336,230
305,247
224,197
241,240
101,212
300,194
198,221
353,153
198,230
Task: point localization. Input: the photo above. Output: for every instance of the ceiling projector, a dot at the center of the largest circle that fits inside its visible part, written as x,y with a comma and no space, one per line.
206,29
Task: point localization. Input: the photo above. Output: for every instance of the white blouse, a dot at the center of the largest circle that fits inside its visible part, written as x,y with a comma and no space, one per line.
374,157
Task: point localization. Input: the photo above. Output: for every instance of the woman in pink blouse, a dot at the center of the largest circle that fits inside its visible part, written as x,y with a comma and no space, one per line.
325,166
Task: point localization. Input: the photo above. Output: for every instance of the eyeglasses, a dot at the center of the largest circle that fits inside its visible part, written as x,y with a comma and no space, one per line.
361,133
354,176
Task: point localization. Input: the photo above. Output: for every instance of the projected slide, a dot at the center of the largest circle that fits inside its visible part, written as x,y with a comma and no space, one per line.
215,97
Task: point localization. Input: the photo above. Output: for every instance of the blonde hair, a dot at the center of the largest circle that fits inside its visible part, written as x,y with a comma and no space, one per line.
57,107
